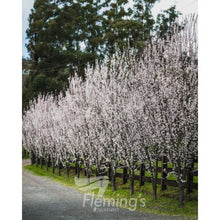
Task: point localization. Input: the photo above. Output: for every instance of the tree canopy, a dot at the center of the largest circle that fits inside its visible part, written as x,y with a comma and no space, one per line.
65,36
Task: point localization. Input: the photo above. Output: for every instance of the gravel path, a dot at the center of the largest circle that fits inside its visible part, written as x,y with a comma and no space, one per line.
43,199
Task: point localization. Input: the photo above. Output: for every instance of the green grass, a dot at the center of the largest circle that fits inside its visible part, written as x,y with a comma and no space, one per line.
166,204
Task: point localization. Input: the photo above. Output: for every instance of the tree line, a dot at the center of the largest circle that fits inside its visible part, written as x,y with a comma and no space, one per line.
132,111
64,36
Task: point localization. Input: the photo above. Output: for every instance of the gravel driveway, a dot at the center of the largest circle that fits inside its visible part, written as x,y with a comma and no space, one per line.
43,199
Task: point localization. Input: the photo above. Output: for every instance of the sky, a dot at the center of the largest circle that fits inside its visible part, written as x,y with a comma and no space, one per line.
184,6
27,5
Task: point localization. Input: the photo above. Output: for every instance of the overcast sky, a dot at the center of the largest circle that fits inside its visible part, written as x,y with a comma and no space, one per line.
184,6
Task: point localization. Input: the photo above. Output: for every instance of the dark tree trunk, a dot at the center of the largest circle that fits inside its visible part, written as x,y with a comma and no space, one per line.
102,173
113,182
190,179
125,174
32,158
53,167
59,168
181,177
85,172
131,185
76,167
96,172
141,177
37,161
154,184
181,194
23,153
68,170
78,171
109,172
41,163
131,175
163,173
47,164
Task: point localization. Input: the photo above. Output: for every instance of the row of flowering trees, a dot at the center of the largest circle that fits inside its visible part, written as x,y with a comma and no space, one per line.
129,111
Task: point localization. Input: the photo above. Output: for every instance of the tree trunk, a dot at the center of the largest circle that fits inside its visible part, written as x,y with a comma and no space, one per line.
59,166
109,172
181,194
131,182
125,174
47,164
68,170
23,153
154,184
78,171
113,182
163,173
96,172
76,167
41,163
141,177
190,179
154,181
32,158
53,167
131,185
36,161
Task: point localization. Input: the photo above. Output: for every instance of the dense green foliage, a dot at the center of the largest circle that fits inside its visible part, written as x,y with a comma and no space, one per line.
65,36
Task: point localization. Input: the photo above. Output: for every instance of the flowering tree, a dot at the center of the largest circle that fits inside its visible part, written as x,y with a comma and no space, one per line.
129,111
171,101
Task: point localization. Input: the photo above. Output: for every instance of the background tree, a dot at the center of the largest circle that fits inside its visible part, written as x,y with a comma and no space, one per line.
143,15
166,22
65,36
